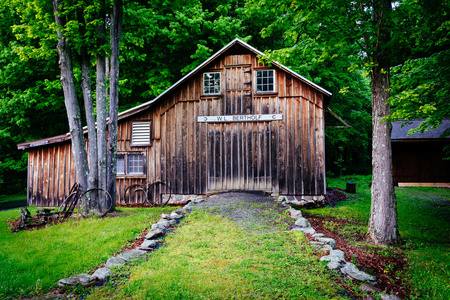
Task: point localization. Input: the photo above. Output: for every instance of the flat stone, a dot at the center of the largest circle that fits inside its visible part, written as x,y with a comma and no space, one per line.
187,208
164,222
149,244
334,255
153,234
317,235
172,222
352,271
83,279
388,297
102,273
295,213
366,287
302,223
333,265
308,230
281,198
165,216
176,216
198,200
132,254
328,241
157,226
114,261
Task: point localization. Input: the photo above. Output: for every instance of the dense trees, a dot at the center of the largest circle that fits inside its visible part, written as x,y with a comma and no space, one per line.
347,47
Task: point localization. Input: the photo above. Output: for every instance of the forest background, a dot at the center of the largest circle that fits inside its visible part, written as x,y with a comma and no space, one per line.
164,40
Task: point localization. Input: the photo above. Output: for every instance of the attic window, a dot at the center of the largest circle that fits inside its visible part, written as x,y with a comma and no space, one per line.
265,81
140,135
211,83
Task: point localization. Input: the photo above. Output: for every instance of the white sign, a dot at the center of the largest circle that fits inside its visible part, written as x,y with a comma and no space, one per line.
239,118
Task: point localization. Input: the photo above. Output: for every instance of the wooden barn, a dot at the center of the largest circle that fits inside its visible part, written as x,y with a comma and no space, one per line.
233,123
418,159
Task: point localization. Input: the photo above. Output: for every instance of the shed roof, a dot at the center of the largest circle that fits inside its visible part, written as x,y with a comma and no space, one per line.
400,133
148,104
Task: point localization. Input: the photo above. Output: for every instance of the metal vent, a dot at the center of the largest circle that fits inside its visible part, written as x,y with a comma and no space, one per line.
141,133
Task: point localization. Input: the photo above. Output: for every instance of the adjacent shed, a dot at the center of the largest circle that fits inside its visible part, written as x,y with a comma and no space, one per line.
233,123
418,159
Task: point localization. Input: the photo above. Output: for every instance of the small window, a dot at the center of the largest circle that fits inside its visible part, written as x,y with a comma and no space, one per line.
131,163
120,164
265,81
140,133
135,164
211,83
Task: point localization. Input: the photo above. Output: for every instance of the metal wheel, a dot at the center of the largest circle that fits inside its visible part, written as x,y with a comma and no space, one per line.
67,203
155,194
103,199
133,190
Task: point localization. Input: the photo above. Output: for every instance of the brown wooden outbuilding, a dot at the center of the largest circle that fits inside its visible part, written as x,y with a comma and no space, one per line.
233,123
418,159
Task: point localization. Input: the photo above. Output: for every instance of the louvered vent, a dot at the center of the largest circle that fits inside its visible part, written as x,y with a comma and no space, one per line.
141,133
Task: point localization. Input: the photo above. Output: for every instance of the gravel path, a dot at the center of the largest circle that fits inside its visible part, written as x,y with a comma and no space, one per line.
255,211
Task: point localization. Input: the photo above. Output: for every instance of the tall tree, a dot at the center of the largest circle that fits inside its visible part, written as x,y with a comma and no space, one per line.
340,25
81,37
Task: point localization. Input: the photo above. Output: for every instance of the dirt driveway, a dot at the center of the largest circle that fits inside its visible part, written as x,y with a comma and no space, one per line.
255,211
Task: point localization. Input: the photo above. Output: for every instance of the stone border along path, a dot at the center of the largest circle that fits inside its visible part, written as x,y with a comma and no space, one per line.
335,257
153,240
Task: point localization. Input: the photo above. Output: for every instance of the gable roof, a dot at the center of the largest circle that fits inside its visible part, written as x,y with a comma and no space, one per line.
148,104
400,133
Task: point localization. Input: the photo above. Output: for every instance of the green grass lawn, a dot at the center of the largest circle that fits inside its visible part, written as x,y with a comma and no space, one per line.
424,224
32,262
211,257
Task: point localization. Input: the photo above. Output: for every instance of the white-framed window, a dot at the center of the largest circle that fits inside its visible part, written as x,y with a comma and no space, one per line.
211,83
120,164
265,81
130,163
135,164
140,134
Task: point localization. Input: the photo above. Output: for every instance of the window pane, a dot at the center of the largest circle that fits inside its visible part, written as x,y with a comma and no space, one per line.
211,83
265,80
120,164
135,164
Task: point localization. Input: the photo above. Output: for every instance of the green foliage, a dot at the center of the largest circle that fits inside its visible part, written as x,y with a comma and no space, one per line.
421,89
210,257
32,262
423,215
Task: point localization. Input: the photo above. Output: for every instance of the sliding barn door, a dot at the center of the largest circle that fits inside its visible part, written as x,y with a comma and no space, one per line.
240,156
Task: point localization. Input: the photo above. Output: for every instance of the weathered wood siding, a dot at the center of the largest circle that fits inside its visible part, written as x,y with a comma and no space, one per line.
283,157
51,174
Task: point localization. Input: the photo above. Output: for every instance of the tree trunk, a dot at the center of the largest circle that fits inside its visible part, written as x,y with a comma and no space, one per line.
71,101
101,103
383,226
115,33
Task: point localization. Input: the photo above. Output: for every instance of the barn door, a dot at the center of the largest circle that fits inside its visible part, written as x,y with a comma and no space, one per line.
240,156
